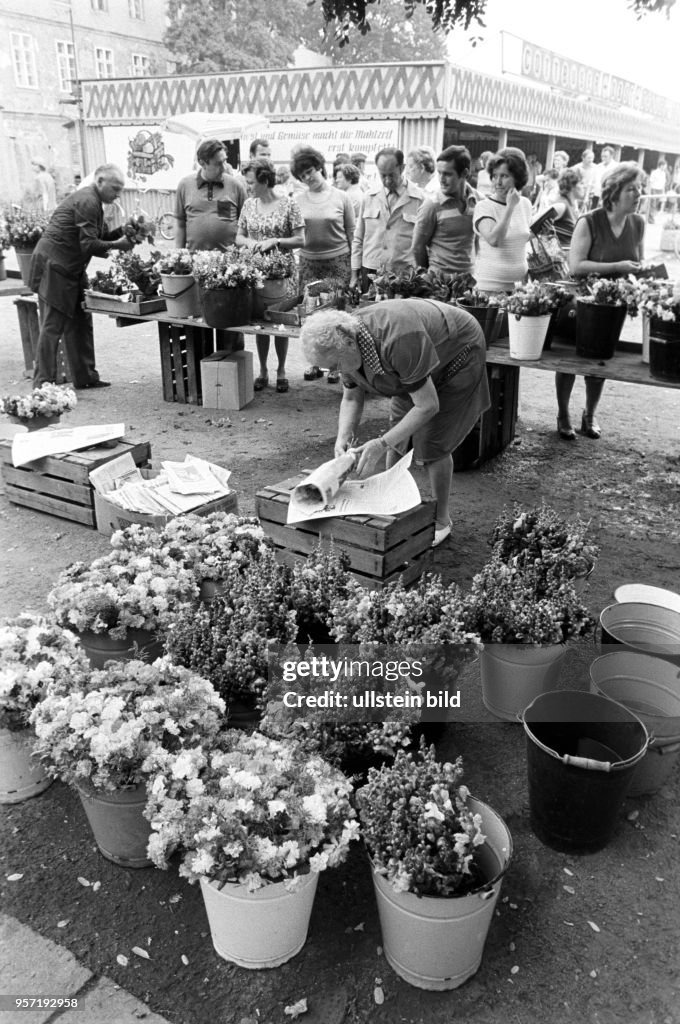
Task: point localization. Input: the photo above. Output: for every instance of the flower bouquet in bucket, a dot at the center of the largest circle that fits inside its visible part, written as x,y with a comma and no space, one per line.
178,284
226,280
33,654
101,732
529,307
438,857
257,820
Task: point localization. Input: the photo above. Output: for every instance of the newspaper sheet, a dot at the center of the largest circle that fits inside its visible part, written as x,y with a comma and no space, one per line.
37,444
385,494
114,474
125,486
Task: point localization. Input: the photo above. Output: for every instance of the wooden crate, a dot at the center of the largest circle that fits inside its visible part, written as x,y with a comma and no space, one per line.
112,517
29,330
183,346
60,484
380,548
495,428
103,303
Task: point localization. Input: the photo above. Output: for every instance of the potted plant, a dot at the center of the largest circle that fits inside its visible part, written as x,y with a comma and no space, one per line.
178,284
141,273
438,858
117,604
278,270
524,617
601,312
100,731
540,539
42,407
24,230
33,653
256,819
226,280
485,309
229,640
660,303
529,307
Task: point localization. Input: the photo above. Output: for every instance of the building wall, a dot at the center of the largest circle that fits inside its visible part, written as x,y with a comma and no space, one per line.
34,119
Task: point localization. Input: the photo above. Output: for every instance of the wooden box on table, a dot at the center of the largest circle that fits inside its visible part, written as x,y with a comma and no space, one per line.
60,484
495,428
380,548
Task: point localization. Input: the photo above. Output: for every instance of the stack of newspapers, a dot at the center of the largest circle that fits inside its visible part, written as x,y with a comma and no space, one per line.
179,487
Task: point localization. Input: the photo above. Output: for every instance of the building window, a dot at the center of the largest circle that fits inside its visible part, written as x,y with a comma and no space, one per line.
66,65
136,9
23,59
103,59
141,65
99,5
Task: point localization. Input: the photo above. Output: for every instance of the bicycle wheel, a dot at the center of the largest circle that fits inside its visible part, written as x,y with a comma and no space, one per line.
166,226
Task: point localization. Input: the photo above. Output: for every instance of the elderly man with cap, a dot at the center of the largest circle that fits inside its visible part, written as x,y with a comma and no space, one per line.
429,359
76,232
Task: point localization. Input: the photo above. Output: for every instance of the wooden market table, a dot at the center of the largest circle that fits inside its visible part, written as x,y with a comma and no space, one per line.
185,342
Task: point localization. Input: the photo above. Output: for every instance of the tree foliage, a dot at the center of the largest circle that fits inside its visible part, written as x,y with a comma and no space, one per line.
235,35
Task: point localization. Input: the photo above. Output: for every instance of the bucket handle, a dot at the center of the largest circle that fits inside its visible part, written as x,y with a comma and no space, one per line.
176,295
586,762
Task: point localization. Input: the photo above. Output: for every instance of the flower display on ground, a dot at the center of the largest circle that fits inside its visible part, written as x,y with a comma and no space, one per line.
34,653
510,605
540,539
417,826
47,400
232,268
252,810
122,590
229,641
105,731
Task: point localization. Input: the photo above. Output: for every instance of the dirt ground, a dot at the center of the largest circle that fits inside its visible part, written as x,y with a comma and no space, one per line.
543,961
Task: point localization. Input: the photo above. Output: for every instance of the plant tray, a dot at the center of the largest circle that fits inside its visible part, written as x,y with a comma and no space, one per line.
288,311
139,306
60,484
380,548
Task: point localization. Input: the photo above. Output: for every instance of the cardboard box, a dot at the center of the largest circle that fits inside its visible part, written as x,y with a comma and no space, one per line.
380,548
60,484
227,380
111,517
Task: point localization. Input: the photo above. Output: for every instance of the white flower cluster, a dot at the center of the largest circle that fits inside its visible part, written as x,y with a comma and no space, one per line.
47,400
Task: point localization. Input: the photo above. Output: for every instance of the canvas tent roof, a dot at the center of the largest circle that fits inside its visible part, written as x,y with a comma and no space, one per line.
199,125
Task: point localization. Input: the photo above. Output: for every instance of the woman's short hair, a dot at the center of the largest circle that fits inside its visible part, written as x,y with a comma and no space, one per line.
459,156
423,157
562,154
350,172
263,169
614,183
517,165
568,180
327,335
307,158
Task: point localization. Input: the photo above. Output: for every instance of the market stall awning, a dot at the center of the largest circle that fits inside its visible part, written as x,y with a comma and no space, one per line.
198,125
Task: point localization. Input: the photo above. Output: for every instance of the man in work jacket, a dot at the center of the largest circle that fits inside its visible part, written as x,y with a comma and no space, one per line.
76,232
384,228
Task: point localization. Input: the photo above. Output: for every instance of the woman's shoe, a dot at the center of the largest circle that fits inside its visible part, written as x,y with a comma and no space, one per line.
333,377
281,385
313,373
589,426
440,535
565,429
260,383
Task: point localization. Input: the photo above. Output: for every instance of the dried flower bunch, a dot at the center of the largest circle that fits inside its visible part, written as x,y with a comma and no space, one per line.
104,728
24,229
120,591
47,400
232,268
534,298
33,654
541,540
251,810
178,261
419,831
509,605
